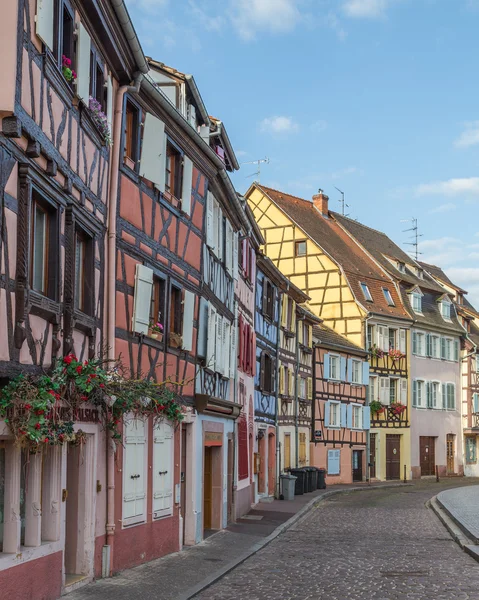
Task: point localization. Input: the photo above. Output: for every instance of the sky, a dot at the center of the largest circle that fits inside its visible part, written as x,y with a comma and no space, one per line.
379,98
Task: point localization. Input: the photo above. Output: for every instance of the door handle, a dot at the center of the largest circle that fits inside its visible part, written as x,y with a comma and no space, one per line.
162,472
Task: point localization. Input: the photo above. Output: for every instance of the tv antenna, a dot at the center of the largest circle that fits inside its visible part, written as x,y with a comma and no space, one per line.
343,203
415,236
258,163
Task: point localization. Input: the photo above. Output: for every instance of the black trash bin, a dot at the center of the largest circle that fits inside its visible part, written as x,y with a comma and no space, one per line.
312,478
300,486
308,486
321,479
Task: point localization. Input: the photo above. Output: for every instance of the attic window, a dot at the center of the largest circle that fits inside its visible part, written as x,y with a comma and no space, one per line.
366,292
416,302
420,273
389,298
446,309
300,248
401,267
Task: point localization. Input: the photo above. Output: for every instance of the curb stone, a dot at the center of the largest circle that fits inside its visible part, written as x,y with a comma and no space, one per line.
209,581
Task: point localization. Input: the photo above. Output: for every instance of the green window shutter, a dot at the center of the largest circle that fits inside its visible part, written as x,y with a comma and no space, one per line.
444,395
456,350
414,342
428,345
428,394
414,393
443,348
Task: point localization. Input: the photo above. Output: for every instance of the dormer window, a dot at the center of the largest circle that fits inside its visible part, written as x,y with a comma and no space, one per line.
366,292
401,267
416,301
445,307
419,273
389,298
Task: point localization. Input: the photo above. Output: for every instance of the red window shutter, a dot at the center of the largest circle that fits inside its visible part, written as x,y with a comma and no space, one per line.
247,358
243,461
240,343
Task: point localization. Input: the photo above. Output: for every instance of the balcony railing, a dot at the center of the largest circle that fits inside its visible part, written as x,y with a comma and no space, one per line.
383,363
390,417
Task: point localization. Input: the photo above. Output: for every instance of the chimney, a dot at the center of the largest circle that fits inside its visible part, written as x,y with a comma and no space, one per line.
320,201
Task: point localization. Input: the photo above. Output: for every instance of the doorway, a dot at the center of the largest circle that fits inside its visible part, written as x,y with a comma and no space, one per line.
427,455
450,452
372,456
208,488
393,457
78,498
357,465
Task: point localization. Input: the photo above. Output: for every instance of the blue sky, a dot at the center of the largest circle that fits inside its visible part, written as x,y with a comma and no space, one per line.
379,98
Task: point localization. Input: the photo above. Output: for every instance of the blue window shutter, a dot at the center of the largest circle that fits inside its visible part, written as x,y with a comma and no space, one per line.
443,348
365,373
343,415
333,462
326,366
326,413
475,402
342,363
366,417
349,370
338,458
414,393
349,416
444,395
456,350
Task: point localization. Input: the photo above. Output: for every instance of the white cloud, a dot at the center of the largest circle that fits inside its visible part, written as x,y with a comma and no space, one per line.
442,208
273,16
366,9
451,187
469,137
278,124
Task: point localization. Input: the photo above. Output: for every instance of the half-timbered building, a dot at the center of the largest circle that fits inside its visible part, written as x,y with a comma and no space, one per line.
354,296
341,415
61,67
245,285
267,323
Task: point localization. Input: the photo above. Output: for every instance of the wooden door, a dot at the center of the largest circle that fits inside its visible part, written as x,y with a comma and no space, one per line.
357,465
450,449
208,488
427,455
393,457
183,477
372,456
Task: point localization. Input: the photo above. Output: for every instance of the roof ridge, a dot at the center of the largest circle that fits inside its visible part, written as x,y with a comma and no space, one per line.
362,225
281,192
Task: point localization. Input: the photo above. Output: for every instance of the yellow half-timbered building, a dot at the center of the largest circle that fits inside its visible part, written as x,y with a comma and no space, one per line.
355,297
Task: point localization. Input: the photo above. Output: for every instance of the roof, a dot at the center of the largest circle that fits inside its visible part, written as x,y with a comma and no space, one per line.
355,263
474,333
218,125
380,246
438,273
304,309
326,336
468,306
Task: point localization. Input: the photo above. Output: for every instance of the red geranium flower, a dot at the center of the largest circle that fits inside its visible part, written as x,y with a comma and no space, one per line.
102,385
51,392
28,406
40,411
37,426
84,398
68,359
79,369
93,375
46,440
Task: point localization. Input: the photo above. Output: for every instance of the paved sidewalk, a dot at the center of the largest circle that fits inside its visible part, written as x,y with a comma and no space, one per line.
462,505
182,575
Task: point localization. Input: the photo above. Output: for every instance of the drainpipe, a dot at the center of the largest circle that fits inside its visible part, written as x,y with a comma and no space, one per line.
111,314
296,395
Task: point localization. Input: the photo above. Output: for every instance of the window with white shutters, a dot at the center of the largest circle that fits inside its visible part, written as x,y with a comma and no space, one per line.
45,21
402,340
153,152
334,462
219,344
83,66
403,397
142,299
210,236
188,314
135,457
226,342
384,390
211,339
383,337
163,465
229,248
186,185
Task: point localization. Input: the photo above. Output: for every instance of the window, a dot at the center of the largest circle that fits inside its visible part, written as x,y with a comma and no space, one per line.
419,273
302,388
477,363
366,292
389,298
416,302
268,299
300,248
287,451
334,414
434,394
131,130
435,346
64,40
266,373
393,390
450,402
97,79
373,389
173,171
356,375
401,267
383,337
475,403
157,310
418,343
306,332
84,273
471,453
445,306
393,334
418,398
357,417
175,310
43,247
334,462
334,367
448,354
289,315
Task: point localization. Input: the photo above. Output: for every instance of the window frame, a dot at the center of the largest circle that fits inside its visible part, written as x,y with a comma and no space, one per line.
158,299
87,273
395,335
97,67
60,7
267,379
388,296
336,406
337,358
394,390
373,388
359,412
268,299
416,296
297,245
174,177
136,121
359,365
175,309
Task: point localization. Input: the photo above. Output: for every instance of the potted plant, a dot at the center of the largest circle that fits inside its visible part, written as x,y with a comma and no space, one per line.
376,352
67,70
397,408
376,407
100,119
156,331
395,354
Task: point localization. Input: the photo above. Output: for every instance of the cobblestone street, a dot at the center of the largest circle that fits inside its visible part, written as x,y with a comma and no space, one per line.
378,544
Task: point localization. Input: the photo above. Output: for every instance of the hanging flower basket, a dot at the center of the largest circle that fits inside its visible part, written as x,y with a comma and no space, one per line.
376,352
395,354
376,407
397,408
100,119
